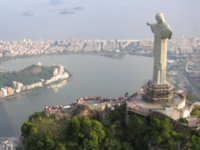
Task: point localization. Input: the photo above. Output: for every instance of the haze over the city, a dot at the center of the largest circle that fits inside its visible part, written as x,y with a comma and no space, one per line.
93,19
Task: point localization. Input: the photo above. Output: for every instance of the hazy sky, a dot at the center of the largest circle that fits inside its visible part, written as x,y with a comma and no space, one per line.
94,19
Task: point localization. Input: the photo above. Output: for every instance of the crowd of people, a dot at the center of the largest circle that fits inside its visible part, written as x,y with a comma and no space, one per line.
58,108
85,100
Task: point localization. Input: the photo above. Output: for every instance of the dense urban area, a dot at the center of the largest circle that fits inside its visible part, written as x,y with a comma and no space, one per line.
143,47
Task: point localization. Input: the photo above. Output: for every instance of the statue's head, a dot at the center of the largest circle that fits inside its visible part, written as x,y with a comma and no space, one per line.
160,18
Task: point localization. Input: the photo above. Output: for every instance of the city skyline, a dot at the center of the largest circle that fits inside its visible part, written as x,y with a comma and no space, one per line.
86,19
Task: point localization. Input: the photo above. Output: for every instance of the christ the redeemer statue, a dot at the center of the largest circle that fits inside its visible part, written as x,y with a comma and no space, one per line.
162,32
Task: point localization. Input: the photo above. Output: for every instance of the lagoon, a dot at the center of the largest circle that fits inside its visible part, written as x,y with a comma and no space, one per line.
91,76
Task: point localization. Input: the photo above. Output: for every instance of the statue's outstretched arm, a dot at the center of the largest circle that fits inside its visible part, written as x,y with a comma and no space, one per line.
152,26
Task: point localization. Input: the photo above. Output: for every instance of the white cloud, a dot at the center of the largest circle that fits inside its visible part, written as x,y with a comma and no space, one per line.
66,13
28,13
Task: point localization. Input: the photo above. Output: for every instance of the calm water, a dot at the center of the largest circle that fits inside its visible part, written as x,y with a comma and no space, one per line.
91,76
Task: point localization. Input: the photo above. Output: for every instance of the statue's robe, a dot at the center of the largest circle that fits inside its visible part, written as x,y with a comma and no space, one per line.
162,33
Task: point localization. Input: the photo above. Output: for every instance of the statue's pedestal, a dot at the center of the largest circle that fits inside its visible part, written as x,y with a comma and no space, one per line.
159,93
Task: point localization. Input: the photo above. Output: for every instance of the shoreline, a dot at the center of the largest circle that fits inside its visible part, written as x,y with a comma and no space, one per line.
110,55
103,54
19,89
34,90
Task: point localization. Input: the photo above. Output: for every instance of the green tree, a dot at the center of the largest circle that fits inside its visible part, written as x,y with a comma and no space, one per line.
137,132
86,125
98,128
127,146
60,146
111,144
73,128
84,133
48,139
195,139
163,135
28,129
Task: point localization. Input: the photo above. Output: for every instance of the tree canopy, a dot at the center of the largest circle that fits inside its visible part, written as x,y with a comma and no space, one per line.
46,133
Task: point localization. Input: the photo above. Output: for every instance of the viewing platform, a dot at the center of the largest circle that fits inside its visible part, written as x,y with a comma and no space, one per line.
178,108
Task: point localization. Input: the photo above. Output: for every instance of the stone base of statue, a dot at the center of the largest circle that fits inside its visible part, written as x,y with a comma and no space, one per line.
159,93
